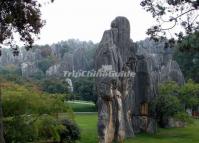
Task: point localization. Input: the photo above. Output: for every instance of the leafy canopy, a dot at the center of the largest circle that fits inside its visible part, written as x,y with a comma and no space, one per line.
175,13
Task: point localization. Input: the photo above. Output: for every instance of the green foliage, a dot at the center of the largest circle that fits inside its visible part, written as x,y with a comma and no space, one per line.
166,105
169,88
174,100
53,85
18,100
189,61
45,63
84,89
172,11
71,132
10,72
48,128
31,115
37,76
29,128
189,94
18,129
23,17
190,42
182,116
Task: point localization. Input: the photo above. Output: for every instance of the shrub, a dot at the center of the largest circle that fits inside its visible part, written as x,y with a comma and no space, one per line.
17,129
54,85
48,128
29,128
71,132
165,106
182,116
31,115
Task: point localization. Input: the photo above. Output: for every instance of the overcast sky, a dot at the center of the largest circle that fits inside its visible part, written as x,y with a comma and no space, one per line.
87,19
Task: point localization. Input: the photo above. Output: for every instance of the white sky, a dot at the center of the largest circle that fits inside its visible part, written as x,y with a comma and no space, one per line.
87,19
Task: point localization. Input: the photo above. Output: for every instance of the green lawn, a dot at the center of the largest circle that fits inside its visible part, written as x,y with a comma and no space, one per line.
190,134
82,106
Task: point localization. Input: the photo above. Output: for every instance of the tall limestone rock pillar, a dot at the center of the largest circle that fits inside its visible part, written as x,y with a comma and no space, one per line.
115,94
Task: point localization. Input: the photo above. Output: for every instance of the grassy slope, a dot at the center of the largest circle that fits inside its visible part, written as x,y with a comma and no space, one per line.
88,125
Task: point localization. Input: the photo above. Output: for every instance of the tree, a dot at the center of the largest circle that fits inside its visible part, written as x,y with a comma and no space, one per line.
46,63
189,94
22,17
54,85
174,13
167,103
189,61
84,88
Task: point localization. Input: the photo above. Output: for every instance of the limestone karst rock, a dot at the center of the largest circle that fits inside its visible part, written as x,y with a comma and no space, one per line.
160,61
51,60
115,95
123,102
69,84
53,70
79,59
28,69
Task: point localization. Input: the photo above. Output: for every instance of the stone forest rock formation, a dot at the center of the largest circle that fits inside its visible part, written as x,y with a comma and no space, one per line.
123,102
50,60
115,95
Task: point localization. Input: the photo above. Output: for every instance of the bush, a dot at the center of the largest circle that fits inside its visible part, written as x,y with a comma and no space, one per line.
17,129
31,115
48,128
54,86
30,128
19,100
165,106
182,116
71,132
189,94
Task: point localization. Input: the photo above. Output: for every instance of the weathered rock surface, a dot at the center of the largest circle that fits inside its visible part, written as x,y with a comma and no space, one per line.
174,123
69,85
29,69
160,61
116,95
79,59
123,102
64,56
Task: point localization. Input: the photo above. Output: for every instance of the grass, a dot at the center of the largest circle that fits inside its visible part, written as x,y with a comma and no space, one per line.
190,134
81,106
88,127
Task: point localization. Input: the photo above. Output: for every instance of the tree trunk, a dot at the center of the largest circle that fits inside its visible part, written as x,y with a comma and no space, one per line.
1,119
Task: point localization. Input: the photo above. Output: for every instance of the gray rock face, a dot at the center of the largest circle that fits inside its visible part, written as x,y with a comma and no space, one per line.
123,102
115,95
69,85
144,124
28,69
174,123
171,72
79,59
159,60
63,56
154,66
53,70
67,62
